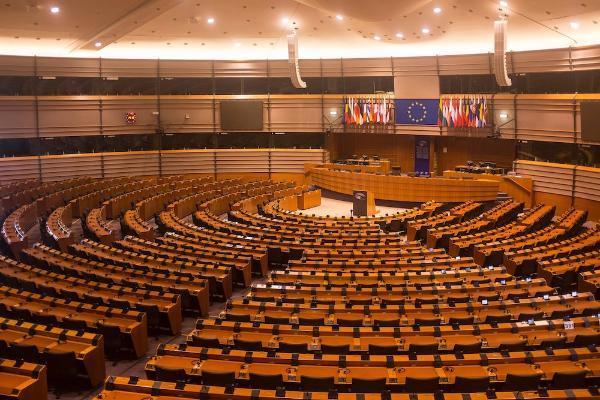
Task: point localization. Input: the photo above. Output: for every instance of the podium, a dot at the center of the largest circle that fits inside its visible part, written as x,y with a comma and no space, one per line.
363,203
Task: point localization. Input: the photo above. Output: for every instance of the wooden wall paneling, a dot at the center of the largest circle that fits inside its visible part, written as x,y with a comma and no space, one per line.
296,114
134,163
553,60
367,67
587,183
176,162
543,119
292,161
562,202
236,68
459,150
113,67
69,116
242,160
175,111
17,65
61,167
298,178
504,103
585,58
114,109
17,117
420,66
399,149
68,66
468,64
548,177
17,168
186,68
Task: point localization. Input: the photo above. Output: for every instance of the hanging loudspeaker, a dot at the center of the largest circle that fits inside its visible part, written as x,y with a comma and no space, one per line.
500,53
293,61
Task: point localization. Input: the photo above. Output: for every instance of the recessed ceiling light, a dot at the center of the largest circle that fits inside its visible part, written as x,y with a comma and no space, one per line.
399,35
437,10
504,3
54,9
425,30
285,20
237,44
377,37
574,25
98,44
339,17
210,20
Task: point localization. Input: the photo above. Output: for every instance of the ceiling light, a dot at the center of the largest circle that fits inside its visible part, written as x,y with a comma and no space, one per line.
285,20
425,30
210,20
503,115
237,44
377,37
54,10
339,17
504,3
399,35
437,10
574,25
98,44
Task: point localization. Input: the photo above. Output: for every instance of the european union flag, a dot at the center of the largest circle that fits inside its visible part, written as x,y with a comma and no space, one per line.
417,111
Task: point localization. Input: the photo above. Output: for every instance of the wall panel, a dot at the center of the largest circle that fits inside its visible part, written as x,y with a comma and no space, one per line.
15,168
69,116
188,162
183,114
114,109
56,168
17,117
133,163
289,160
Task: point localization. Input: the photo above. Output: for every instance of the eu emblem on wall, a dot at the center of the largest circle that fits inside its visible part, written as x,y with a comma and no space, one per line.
417,111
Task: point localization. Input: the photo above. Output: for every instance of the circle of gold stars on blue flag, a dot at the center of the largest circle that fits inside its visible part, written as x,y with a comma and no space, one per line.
417,112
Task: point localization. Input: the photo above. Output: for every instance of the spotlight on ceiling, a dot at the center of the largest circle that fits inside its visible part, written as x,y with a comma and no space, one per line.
377,37
437,10
210,20
574,25
504,4
425,30
237,44
54,9
98,44
339,17
285,20
399,35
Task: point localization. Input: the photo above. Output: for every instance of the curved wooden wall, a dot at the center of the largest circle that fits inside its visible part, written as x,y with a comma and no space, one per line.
564,185
404,188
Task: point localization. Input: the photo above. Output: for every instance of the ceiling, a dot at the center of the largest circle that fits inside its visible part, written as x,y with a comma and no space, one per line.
257,29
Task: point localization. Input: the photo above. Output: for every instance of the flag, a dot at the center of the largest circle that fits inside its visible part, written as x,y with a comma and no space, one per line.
417,111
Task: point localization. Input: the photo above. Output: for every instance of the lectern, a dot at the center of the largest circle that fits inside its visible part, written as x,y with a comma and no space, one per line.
363,203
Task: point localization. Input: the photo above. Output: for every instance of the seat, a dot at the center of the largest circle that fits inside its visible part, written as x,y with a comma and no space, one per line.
554,343
286,347
421,385
170,374
531,316
206,341
582,340
467,384
69,295
276,320
423,348
335,349
20,313
467,348
266,381
25,352
497,318
518,345
238,317
569,380
74,324
248,345
521,382
368,385
387,322
311,321
217,378
152,314
558,314
461,320
62,369
4,351
45,319
428,321
316,383
113,341
264,299
379,349
95,300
